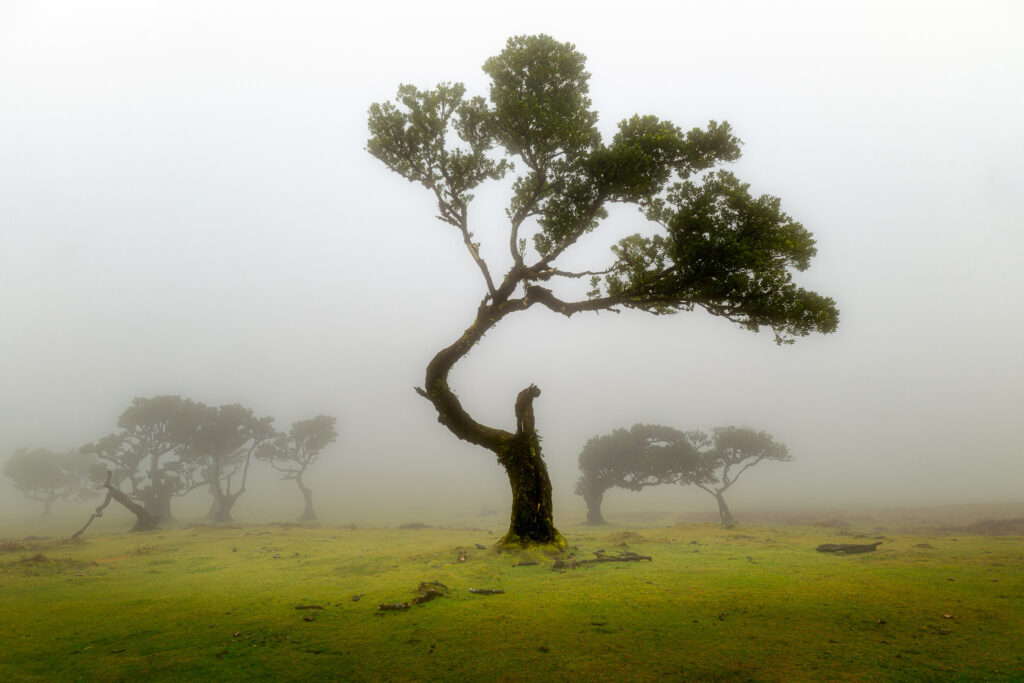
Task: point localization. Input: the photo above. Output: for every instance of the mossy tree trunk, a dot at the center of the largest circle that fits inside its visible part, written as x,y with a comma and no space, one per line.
532,520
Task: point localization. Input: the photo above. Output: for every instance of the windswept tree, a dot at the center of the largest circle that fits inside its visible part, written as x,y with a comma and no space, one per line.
46,476
713,246
735,450
293,453
645,455
147,455
222,451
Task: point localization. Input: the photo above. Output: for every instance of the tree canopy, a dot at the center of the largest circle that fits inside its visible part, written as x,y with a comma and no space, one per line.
644,455
150,453
733,451
47,476
648,455
293,453
712,244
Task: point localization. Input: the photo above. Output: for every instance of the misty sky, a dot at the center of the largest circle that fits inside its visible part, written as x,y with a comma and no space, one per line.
186,207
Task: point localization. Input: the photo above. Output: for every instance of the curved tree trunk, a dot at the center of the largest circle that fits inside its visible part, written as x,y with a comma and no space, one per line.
723,511
143,520
519,453
593,501
532,518
309,514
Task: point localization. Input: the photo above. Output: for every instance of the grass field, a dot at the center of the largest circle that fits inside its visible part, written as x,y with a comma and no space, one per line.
754,603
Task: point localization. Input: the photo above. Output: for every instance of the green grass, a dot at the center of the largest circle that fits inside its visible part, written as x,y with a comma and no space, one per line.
755,603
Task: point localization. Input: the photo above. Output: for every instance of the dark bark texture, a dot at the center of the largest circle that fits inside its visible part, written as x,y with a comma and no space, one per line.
519,453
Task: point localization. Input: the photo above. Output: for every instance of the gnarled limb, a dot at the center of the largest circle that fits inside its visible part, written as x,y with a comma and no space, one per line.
144,521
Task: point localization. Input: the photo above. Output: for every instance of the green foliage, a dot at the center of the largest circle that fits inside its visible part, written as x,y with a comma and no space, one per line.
719,248
727,252
539,91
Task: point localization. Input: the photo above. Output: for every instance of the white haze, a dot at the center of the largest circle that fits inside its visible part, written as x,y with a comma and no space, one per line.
186,207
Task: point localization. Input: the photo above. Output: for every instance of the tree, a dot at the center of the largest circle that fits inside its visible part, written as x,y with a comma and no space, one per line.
222,450
645,455
292,454
147,453
717,247
46,476
144,520
735,450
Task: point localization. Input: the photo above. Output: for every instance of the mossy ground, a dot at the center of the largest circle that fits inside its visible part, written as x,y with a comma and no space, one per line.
753,603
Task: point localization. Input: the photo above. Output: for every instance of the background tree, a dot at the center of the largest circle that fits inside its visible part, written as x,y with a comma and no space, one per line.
147,454
291,454
222,451
735,450
717,247
644,455
45,476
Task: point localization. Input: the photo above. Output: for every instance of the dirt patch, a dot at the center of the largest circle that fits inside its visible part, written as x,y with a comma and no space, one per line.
12,546
997,527
39,565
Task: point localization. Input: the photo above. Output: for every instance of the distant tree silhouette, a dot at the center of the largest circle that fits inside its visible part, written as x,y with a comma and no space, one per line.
46,476
148,455
293,453
644,455
222,452
735,450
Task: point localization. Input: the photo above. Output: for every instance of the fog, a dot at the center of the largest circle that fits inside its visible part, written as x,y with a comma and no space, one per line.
186,207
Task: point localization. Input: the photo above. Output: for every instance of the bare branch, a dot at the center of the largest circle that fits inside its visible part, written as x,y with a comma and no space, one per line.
746,467
554,272
543,295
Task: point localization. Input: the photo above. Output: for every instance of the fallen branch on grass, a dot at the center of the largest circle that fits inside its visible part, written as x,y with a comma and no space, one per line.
393,606
486,591
848,548
621,557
